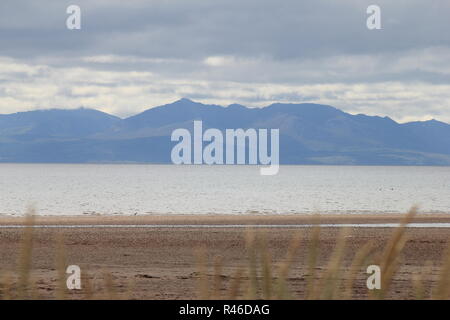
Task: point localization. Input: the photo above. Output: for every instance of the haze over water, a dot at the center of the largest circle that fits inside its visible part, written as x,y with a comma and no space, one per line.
77,189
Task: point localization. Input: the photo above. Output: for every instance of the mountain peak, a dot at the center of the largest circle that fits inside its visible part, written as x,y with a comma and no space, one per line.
309,134
185,100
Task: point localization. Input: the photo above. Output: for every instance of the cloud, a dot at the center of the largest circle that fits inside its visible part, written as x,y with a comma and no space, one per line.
219,61
127,58
127,92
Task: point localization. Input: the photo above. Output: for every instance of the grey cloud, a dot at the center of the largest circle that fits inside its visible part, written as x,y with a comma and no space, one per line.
135,54
280,29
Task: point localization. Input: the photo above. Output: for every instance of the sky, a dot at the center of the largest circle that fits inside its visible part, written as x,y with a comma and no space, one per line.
131,55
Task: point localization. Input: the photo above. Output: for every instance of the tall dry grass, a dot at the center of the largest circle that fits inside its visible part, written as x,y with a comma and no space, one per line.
261,278
21,286
264,279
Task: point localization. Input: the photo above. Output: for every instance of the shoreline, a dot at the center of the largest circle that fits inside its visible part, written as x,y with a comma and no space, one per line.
224,219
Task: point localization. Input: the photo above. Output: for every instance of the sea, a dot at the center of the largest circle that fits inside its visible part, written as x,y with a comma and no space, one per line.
147,189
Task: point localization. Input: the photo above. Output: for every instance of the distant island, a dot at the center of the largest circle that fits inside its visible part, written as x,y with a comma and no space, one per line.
309,134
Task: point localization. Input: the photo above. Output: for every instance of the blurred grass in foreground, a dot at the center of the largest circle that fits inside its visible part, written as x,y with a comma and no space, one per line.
260,278
263,278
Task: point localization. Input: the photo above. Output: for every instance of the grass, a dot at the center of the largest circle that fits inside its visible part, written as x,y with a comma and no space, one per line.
264,279
261,278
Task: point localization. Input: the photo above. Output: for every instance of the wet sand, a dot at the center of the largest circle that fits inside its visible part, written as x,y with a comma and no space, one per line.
141,263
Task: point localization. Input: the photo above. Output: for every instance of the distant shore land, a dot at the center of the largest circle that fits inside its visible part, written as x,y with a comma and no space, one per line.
190,263
308,134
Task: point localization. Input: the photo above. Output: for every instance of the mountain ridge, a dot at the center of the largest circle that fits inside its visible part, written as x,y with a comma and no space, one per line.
309,134
202,104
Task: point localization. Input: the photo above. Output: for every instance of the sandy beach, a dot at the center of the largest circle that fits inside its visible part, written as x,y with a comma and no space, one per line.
169,263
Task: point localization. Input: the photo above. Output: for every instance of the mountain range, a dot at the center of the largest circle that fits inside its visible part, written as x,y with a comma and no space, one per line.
309,134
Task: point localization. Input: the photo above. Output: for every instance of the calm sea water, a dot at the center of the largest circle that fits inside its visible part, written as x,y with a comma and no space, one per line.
58,189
